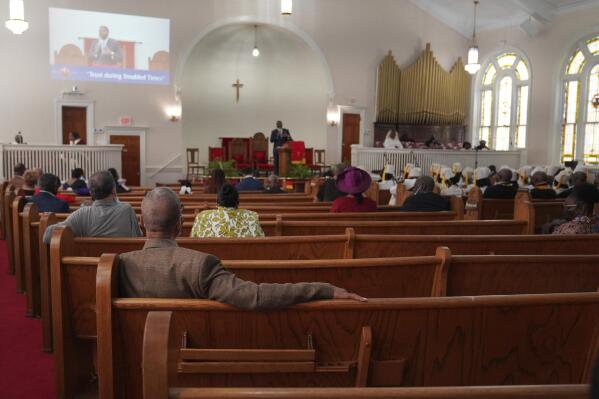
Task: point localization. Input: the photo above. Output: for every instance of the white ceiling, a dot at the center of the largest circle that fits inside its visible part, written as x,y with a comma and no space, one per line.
495,14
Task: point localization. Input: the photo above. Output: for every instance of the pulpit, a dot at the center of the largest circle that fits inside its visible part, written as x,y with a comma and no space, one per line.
284,160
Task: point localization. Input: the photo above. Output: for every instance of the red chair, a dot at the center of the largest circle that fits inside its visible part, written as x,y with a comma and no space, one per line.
298,152
238,153
216,154
259,153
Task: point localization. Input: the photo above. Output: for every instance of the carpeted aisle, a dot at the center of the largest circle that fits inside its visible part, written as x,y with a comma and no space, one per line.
25,371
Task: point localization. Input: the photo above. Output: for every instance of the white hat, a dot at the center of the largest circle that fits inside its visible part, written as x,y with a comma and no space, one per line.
538,169
553,170
456,167
482,172
514,174
563,177
467,170
446,173
580,168
525,171
415,173
504,167
435,168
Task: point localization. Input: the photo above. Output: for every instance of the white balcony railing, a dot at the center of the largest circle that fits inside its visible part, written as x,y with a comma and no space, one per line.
60,159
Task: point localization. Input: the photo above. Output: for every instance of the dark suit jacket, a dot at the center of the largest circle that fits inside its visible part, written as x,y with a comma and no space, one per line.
327,192
277,140
249,184
543,193
427,202
164,270
96,56
47,202
501,191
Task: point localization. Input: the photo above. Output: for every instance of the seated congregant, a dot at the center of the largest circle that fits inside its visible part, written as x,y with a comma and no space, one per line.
46,200
541,189
30,178
273,185
482,177
482,145
564,186
424,199
18,171
249,182
227,221
504,188
584,220
448,187
354,182
120,183
164,270
77,182
216,181
327,192
392,140
106,217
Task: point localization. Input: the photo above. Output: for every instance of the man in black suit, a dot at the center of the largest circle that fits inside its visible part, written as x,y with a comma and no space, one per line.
279,137
504,188
424,199
46,200
104,50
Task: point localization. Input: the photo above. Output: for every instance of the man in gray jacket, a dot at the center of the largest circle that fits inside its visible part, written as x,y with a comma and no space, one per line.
162,269
106,217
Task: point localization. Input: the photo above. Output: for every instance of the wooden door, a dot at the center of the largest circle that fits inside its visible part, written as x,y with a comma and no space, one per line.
130,158
351,135
74,119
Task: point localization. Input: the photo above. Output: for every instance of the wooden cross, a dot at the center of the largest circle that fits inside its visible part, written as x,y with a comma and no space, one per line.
237,85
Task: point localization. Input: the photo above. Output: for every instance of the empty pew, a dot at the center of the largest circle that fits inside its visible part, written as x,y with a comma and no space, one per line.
3,186
16,237
459,341
9,197
537,212
480,208
454,227
160,362
157,390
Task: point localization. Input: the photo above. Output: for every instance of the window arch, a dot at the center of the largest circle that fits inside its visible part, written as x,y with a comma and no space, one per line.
504,99
580,119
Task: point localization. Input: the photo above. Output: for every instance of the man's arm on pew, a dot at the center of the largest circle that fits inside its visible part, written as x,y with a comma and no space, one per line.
74,221
223,286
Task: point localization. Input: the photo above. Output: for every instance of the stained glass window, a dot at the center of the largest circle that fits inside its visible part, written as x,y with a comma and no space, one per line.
504,102
580,119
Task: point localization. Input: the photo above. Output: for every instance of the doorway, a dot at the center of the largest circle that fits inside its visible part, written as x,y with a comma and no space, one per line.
74,119
130,158
351,135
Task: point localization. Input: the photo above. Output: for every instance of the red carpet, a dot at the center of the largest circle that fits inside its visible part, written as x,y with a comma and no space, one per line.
25,371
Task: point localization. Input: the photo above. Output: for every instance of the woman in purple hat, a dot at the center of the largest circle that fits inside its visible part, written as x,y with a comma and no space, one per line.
353,182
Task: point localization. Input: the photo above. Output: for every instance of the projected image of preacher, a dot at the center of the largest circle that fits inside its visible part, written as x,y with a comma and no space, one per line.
104,50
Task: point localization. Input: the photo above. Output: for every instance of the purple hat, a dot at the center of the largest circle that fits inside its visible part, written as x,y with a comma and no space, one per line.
353,181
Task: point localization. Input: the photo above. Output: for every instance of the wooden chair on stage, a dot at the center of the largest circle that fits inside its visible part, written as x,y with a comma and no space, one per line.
320,159
194,169
239,153
259,153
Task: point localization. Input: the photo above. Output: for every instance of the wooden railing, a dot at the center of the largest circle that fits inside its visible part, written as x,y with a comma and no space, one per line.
376,158
60,159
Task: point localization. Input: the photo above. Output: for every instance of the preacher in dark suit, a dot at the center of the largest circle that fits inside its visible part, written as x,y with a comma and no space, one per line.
105,51
279,137
46,200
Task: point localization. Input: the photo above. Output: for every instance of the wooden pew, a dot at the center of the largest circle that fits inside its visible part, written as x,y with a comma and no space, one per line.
3,186
537,212
579,391
454,227
17,242
159,368
459,341
480,208
9,197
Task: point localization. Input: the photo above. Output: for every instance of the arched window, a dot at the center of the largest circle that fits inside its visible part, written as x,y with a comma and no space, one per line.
580,118
504,92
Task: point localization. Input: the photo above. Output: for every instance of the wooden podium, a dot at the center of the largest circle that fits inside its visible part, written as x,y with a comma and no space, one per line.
284,160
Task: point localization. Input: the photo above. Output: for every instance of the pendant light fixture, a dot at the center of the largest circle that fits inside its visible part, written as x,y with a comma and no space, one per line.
256,51
16,22
286,7
473,66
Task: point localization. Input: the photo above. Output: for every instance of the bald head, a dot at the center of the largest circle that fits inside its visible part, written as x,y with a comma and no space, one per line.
161,212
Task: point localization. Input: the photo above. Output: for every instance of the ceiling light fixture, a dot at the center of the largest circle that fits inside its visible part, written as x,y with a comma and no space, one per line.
256,51
473,66
286,7
17,24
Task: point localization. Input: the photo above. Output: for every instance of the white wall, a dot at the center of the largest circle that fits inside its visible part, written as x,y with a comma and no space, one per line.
353,36
286,82
546,53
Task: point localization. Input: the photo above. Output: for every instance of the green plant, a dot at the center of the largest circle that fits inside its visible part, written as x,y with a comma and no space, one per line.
300,171
227,166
